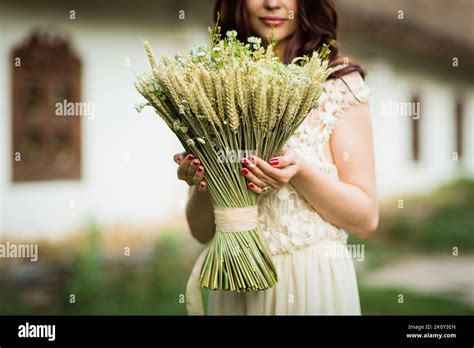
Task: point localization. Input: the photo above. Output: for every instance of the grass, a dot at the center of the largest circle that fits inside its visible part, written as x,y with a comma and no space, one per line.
436,221
155,287
385,301
375,256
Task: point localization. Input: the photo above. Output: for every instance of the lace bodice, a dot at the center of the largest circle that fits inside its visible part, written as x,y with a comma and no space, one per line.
286,220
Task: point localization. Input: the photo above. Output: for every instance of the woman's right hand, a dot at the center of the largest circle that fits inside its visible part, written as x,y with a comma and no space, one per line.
190,170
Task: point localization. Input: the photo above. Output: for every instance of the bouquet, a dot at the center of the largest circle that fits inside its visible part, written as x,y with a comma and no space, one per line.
222,100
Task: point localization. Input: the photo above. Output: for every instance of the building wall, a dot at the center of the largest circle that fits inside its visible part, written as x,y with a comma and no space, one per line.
397,173
128,174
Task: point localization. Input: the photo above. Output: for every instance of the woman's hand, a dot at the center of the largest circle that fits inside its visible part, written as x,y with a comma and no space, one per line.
273,174
190,170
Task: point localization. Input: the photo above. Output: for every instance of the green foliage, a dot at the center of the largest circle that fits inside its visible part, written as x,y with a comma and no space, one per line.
451,223
437,221
86,282
156,286
384,301
169,271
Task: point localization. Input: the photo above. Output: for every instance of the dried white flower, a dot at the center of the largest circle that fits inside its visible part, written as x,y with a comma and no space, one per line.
231,34
139,106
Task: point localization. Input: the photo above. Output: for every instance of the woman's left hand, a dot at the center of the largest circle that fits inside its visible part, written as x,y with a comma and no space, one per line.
275,173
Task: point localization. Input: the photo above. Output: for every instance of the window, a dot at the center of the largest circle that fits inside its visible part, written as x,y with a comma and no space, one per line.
46,146
415,130
459,125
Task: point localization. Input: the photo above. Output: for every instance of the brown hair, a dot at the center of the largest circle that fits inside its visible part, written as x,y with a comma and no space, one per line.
317,26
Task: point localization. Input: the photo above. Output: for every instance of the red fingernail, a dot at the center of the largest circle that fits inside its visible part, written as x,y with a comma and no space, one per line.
244,161
251,185
245,171
195,162
274,161
199,169
190,157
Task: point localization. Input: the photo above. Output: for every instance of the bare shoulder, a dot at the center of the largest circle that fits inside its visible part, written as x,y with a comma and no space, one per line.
353,107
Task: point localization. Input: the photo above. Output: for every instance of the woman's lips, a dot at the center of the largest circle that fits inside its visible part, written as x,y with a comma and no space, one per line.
272,21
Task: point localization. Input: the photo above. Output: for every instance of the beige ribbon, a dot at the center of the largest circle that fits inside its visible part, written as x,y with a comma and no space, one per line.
226,220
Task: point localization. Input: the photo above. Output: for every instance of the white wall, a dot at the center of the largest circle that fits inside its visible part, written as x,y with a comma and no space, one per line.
128,173
397,173
469,128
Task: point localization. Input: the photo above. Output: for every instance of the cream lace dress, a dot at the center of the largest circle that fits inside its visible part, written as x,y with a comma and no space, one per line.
314,277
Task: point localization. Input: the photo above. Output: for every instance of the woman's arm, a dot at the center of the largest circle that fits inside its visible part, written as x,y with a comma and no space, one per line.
200,214
350,203
199,208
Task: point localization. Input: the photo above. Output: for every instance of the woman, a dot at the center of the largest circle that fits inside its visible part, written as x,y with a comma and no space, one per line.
321,186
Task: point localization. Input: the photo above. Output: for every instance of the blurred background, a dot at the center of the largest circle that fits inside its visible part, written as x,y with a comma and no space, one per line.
97,192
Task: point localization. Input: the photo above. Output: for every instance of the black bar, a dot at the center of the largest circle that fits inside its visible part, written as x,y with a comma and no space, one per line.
288,330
